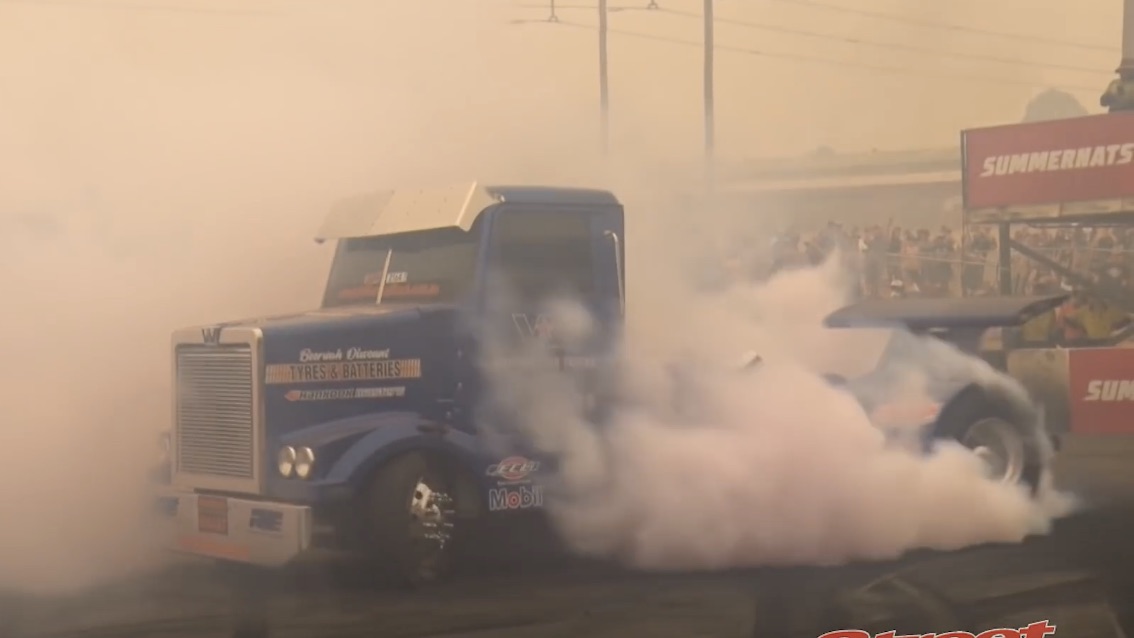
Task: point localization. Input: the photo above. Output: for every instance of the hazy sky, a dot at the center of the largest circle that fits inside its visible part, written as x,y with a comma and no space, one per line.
66,66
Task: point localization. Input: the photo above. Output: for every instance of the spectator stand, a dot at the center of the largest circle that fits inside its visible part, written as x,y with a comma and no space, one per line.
1065,179
1087,254
1084,252
1062,203
895,214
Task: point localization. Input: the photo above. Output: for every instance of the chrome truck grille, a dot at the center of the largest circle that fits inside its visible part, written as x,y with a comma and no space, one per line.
215,415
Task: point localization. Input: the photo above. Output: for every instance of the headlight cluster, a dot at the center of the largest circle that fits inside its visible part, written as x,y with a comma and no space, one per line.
293,461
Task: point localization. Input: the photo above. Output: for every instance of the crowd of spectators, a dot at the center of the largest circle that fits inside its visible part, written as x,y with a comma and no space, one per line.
896,261
901,262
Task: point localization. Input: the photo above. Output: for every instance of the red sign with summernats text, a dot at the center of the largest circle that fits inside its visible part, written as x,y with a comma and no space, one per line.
1035,163
1102,390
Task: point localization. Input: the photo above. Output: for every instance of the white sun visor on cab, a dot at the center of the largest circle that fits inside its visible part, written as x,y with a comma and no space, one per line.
406,211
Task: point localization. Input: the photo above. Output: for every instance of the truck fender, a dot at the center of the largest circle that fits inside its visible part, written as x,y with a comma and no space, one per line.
455,450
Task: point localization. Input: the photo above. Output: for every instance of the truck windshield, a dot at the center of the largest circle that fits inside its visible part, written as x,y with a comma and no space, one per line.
425,267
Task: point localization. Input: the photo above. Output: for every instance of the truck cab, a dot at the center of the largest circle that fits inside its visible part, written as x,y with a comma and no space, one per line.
355,425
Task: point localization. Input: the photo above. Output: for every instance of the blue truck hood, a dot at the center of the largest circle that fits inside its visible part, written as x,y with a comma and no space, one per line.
330,315
337,364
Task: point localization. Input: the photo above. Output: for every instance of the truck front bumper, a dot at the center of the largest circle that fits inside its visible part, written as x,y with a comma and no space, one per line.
235,529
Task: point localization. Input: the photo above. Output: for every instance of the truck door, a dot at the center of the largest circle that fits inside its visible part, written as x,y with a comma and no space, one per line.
537,256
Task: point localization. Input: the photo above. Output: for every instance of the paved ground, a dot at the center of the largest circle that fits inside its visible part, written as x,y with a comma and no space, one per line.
1080,578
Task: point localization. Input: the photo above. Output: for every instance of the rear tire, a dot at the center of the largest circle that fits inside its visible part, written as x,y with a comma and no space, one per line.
1002,448
412,516
1011,449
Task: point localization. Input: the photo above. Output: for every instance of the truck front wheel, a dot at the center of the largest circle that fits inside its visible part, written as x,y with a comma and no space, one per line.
412,518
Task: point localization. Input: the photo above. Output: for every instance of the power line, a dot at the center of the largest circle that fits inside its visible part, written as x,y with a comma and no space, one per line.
554,6
132,6
888,45
798,57
929,24
865,42
932,24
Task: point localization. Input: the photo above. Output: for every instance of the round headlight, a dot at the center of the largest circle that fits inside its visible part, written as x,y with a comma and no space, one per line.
304,461
286,461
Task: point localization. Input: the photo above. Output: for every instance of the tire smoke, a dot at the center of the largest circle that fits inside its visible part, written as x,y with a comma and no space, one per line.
91,396
165,169
700,467
151,183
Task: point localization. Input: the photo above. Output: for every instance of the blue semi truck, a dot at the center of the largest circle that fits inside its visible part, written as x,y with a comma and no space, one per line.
354,426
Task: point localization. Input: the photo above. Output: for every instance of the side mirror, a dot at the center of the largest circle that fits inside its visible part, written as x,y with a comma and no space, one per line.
618,267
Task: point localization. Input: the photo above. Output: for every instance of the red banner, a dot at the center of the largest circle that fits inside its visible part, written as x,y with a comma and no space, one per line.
1077,159
1102,390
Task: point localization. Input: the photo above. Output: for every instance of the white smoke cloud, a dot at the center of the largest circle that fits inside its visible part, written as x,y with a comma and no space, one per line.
701,467
164,168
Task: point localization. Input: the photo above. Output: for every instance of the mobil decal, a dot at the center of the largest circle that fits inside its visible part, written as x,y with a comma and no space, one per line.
1077,159
342,364
512,469
1101,383
522,497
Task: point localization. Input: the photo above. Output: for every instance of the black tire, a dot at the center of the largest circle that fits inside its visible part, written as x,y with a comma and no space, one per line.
414,549
972,408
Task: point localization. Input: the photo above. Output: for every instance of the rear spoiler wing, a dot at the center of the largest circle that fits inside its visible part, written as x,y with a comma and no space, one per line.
920,315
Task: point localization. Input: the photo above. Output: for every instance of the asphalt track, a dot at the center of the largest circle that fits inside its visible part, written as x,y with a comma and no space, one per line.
1081,578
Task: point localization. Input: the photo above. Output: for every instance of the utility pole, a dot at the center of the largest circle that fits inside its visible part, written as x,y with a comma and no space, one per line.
1119,96
604,81
710,122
